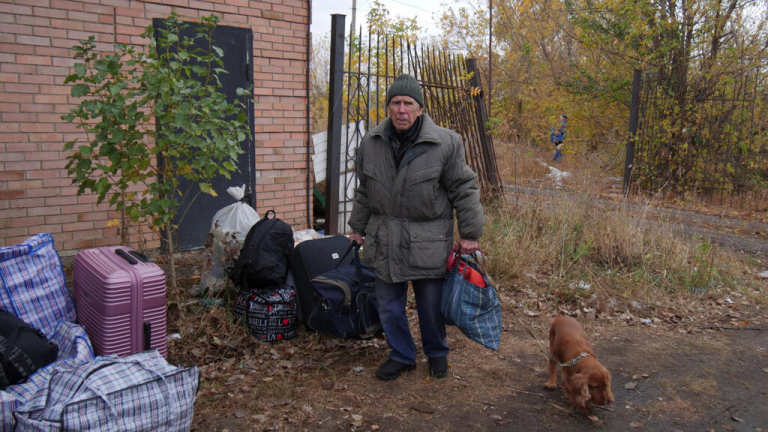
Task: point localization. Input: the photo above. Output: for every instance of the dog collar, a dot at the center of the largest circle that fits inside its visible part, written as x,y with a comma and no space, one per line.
572,362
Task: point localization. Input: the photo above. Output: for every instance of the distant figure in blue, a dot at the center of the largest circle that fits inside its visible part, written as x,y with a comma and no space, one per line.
557,137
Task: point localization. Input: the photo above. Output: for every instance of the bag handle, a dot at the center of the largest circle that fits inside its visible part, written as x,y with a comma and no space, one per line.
354,246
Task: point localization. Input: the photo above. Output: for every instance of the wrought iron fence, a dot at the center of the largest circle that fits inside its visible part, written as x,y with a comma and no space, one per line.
453,97
701,141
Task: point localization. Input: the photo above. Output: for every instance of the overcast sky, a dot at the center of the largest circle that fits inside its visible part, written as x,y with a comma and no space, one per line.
426,12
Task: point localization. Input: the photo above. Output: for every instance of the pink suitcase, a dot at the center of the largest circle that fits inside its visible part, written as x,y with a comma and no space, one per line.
120,300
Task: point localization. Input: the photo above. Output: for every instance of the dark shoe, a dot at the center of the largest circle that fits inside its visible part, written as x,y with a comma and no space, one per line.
391,369
438,367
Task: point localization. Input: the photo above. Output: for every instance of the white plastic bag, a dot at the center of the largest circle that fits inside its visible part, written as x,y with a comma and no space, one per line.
229,227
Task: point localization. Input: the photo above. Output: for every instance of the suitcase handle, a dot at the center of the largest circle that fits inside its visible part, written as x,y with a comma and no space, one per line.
140,256
124,255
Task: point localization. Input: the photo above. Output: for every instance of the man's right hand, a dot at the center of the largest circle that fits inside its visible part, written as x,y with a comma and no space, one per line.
356,238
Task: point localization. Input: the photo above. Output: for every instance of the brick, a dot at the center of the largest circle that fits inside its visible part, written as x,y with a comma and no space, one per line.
68,5
60,219
17,29
33,40
32,107
33,60
43,211
122,11
27,221
37,174
42,193
15,9
128,30
65,24
9,77
44,229
17,68
16,49
50,32
99,9
50,13
98,28
82,16
36,79
78,244
12,194
11,175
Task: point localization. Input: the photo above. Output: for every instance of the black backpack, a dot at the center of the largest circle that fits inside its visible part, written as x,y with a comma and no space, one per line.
266,254
23,350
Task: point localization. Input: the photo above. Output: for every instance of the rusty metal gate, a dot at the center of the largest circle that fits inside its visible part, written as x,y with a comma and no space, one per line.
703,142
453,97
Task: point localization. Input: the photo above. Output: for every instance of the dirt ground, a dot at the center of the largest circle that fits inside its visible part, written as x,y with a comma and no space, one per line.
699,366
678,368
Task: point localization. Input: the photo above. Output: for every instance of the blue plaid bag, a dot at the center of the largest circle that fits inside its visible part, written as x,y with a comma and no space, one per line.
32,284
474,309
141,392
74,350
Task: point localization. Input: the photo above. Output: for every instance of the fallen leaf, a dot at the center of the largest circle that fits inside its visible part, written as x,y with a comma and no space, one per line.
645,375
241,414
736,418
375,427
765,370
635,425
327,384
630,385
422,408
594,418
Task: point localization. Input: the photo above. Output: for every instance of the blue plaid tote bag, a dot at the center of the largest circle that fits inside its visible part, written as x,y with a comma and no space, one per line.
470,301
32,284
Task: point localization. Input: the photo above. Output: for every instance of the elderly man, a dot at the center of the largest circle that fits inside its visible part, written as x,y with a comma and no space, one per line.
412,177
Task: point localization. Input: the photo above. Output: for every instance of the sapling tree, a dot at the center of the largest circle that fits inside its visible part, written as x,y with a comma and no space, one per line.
153,117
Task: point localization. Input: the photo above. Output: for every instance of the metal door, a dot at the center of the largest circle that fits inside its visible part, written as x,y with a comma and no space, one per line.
237,44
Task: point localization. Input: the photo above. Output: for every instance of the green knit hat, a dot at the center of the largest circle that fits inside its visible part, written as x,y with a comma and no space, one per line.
405,85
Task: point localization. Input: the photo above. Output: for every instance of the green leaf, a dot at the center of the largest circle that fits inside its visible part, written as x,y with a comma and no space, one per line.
80,69
206,188
80,90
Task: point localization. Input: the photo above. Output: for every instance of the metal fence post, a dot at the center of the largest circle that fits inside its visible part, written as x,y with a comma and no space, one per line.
490,170
335,108
634,110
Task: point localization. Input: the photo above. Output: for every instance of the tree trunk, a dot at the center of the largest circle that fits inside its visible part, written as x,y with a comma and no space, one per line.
169,254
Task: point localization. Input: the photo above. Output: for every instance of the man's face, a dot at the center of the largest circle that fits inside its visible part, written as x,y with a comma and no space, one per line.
403,110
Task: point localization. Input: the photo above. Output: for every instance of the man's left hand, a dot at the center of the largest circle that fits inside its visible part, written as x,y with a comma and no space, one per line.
467,246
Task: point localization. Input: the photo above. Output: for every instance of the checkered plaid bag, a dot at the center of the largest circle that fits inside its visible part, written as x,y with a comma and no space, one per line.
74,350
141,392
32,284
473,308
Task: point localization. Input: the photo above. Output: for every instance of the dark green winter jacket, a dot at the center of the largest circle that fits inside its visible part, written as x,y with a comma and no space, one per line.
406,213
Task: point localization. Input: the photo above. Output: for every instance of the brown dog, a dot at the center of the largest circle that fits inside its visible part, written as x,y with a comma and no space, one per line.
584,378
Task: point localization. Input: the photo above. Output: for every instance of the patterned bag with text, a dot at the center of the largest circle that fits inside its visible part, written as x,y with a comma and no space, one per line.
271,314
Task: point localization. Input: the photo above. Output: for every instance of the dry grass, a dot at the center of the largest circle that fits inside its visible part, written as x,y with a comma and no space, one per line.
568,244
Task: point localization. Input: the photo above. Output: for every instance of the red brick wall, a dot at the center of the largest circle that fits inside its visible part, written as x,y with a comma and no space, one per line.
36,194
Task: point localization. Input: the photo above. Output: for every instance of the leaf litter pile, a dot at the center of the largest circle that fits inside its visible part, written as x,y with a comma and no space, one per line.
315,382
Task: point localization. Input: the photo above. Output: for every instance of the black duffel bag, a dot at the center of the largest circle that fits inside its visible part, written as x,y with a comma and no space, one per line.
345,302
23,350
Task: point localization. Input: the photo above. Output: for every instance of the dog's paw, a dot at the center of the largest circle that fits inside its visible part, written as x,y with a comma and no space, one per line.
550,386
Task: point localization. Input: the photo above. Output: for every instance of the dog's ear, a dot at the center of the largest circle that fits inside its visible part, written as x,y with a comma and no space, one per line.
579,381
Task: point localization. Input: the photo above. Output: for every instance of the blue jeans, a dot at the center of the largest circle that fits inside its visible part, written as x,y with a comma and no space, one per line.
558,156
392,298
